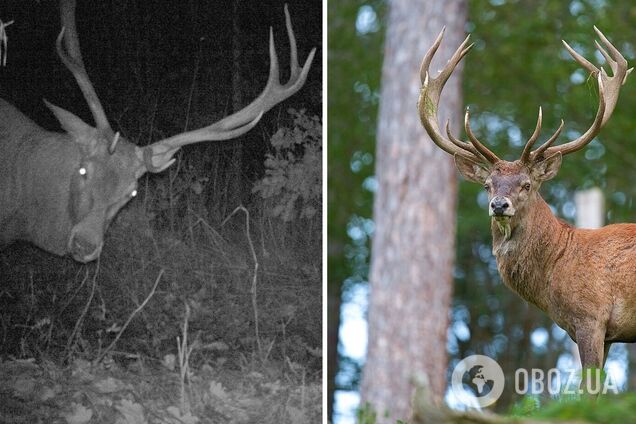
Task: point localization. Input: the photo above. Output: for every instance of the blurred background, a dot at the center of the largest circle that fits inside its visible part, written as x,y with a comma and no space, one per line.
518,64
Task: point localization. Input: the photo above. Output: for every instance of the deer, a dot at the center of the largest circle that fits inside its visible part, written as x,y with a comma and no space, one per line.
583,279
61,191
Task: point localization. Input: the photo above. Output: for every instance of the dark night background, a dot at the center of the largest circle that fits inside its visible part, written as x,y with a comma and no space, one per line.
144,53
161,68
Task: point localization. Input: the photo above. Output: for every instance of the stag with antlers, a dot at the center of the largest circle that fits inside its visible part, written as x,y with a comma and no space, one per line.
585,280
60,191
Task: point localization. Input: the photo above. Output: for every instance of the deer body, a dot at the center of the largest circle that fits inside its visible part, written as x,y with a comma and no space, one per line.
584,280
24,144
567,272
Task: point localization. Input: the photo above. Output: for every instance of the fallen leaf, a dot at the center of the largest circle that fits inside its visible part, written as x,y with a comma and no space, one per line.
132,413
79,414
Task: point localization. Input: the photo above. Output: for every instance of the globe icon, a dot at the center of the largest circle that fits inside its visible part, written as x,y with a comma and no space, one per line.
479,380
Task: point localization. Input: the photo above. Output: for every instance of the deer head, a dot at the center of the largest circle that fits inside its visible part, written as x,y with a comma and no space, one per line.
512,186
104,166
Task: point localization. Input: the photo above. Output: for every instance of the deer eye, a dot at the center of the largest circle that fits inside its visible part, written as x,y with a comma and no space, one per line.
133,193
83,172
487,187
526,186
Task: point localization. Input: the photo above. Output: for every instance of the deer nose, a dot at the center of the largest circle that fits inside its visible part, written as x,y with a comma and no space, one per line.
499,204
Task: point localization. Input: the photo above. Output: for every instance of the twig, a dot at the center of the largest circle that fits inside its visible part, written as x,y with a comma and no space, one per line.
80,320
184,352
135,312
254,277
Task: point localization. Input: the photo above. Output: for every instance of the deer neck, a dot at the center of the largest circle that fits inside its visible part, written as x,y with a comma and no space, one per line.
525,252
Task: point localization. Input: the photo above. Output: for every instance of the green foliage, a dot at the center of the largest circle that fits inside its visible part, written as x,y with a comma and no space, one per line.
606,409
572,403
355,63
293,171
525,406
366,414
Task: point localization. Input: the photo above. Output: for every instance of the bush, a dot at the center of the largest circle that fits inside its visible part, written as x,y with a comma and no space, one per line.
293,170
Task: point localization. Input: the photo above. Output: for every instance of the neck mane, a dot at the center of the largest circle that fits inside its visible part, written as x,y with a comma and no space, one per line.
537,238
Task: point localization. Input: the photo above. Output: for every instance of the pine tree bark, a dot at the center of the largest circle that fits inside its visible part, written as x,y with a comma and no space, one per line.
414,212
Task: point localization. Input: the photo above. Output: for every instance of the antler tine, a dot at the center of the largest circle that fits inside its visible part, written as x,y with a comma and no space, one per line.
525,155
459,54
537,154
113,144
610,61
581,60
293,53
487,154
618,65
430,92
72,59
440,80
608,92
428,57
461,144
591,132
615,57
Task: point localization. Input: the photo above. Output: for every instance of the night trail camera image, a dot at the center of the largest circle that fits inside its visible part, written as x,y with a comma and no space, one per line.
161,211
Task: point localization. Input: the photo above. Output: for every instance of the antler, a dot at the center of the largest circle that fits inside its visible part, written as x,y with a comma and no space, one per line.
608,91
429,101
158,156
72,59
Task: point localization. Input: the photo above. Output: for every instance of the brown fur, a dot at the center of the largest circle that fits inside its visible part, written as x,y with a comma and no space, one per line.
585,280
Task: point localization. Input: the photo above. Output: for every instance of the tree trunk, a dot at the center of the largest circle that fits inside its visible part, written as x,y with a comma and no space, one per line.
333,327
414,212
236,146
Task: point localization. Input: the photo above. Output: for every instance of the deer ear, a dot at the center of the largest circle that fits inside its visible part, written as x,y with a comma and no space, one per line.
81,132
71,123
547,168
471,170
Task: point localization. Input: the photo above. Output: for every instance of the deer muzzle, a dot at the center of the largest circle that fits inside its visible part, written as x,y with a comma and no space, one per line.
84,246
501,206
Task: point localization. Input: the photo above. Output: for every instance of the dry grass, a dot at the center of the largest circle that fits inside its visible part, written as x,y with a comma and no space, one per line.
52,307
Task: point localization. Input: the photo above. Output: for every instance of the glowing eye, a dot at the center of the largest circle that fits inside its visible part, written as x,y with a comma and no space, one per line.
82,171
133,193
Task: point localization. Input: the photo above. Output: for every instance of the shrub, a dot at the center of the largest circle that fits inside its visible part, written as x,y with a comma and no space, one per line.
293,170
